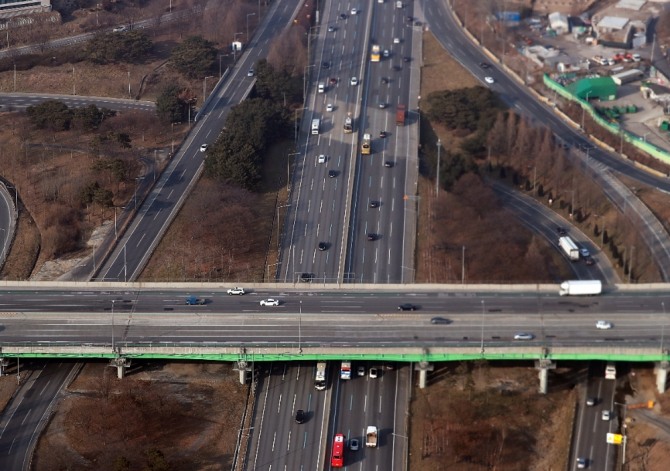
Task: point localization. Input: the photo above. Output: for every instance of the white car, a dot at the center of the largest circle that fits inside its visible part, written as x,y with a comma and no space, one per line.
354,11
329,107
237,290
269,302
606,415
373,373
353,81
360,371
321,159
250,73
489,80
396,40
523,336
603,325
203,148
584,252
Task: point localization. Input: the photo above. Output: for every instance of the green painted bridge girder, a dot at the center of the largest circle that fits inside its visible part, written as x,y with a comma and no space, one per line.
388,357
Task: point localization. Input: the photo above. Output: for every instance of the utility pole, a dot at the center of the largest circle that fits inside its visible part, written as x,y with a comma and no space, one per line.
437,179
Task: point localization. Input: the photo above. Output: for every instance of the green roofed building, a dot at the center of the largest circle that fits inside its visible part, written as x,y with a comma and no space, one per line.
601,88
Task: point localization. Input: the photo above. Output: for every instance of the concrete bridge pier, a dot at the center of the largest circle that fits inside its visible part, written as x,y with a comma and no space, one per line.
120,364
544,366
423,367
4,363
244,368
661,370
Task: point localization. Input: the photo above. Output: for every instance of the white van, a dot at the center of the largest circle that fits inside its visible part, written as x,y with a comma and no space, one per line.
316,123
322,87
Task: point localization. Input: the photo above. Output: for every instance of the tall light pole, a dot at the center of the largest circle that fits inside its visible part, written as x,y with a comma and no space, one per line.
304,83
481,348
300,329
204,89
463,265
295,121
584,108
4,244
248,15
113,301
288,170
278,208
663,326
437,179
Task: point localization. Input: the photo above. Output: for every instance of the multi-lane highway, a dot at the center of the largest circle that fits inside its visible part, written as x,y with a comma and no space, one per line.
161,205
358,210
338,319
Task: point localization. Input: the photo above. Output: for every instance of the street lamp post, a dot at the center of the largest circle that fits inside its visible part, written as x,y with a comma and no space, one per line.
481,348
663,326
304,83
437,179
278,208
113,301
204,89
248,15
288,170
295,122
584,108
4,244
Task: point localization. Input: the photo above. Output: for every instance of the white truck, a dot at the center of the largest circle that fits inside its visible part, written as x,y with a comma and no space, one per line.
569,247
371,436
320,376
581,288
345,370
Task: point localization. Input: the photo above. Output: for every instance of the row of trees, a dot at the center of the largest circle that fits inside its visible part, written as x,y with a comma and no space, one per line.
514,147
54,115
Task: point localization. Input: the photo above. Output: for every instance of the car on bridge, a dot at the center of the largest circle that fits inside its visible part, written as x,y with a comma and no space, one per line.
407,307
269,302
195,301
523,336
235,291
604,325
440,320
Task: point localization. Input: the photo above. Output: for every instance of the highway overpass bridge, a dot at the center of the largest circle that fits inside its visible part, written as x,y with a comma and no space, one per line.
125,321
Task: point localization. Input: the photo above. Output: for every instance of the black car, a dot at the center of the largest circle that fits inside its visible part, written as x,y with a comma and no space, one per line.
323,246
332,173
300,416
388,164
589,261
407,307
382,134
561,231
406,59
374,204
385,80
440,320
306,277
484,65
343,16
397,68
325,65
410,19
372,236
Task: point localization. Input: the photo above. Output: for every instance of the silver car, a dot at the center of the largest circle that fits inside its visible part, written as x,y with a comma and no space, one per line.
523,336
